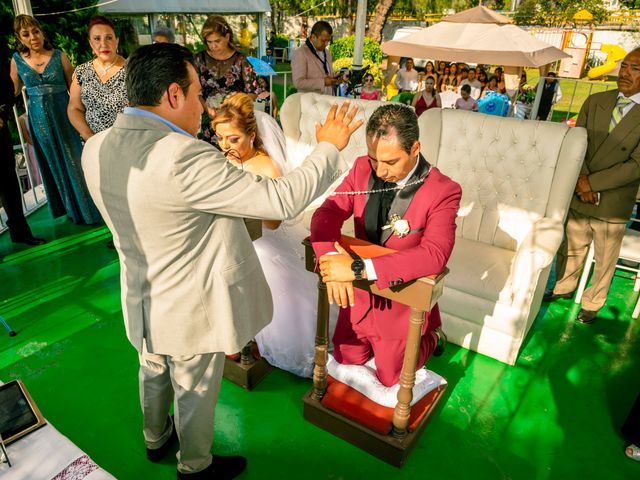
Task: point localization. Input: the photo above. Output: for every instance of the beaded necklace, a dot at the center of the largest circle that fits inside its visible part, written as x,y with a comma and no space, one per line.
380,190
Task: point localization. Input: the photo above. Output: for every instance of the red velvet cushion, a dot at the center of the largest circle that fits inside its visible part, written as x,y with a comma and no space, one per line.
343,399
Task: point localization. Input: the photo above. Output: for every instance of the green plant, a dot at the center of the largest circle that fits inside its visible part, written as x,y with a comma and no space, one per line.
282,41
374,68
343,48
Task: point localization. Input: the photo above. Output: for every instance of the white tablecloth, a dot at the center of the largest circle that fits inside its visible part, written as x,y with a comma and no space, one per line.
46,454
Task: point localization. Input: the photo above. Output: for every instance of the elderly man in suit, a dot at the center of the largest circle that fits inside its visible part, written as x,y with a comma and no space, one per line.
606,188
401,202
311,65
192,285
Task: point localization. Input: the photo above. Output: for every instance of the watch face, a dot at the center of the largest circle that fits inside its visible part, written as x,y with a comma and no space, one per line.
357,266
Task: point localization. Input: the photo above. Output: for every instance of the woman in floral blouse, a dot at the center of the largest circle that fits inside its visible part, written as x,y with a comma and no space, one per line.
222,70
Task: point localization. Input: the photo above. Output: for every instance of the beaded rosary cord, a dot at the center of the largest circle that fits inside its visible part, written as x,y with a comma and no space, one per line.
380,190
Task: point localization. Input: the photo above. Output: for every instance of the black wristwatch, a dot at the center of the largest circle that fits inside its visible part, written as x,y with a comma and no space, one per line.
357,267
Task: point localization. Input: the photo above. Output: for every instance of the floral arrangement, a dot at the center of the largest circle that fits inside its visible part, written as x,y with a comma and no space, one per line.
526,95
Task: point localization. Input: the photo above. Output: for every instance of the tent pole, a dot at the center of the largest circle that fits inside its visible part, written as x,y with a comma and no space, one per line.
22,7
361,20
536,102
262,35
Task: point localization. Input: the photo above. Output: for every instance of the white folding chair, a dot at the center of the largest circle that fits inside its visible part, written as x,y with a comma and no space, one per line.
629,251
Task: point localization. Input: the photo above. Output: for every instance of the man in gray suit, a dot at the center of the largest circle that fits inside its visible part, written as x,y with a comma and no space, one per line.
606,188
192,285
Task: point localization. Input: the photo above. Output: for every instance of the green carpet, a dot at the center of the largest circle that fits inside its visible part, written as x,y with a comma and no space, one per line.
555,414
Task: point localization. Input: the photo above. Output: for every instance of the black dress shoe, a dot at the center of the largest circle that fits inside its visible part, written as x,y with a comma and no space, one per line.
157,454
587,316
550,297
26,238
442,343
221,468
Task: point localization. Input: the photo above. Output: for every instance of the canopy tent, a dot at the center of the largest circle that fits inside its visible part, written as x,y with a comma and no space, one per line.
131,7
154,7
477,35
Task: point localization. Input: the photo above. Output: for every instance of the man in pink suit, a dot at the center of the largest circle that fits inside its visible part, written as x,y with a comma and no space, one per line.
311,65
398,201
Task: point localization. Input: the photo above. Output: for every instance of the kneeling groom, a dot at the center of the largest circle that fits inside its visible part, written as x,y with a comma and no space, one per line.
401,202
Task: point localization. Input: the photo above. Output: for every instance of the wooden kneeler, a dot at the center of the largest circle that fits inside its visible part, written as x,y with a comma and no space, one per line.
247,372
421,295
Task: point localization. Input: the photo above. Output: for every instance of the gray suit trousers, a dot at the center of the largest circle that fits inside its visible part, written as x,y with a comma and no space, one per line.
193,384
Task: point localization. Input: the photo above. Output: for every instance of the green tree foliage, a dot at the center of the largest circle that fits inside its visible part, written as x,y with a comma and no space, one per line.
557,13
67,31
343,48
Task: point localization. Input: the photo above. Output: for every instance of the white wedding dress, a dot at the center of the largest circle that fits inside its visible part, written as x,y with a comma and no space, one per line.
288,341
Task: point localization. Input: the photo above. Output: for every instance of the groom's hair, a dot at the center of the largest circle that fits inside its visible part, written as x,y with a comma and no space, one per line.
395,119
152,68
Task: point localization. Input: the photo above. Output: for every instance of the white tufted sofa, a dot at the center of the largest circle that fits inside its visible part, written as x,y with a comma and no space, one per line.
517,179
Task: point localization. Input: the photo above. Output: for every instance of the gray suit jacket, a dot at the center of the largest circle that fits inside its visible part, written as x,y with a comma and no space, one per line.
191,279
613,159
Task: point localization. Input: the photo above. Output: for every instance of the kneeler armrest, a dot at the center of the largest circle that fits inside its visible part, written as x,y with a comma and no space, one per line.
420,294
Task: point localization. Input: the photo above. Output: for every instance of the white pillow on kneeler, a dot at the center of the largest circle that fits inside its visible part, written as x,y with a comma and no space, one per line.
363,379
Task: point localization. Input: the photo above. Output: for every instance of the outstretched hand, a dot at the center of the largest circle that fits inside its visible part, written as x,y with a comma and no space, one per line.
339,125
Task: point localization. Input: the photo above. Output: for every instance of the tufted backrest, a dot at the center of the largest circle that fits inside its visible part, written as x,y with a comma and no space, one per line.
512,172
301,111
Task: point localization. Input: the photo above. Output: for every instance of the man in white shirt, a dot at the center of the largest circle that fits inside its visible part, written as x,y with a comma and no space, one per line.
407,77
473,82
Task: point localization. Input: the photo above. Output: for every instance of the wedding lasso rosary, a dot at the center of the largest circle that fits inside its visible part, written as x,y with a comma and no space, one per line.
398,225
379,190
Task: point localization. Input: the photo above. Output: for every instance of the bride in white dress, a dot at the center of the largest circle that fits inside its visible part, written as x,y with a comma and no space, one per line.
288,341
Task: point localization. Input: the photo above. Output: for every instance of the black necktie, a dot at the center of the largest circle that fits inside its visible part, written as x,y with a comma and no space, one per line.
386,199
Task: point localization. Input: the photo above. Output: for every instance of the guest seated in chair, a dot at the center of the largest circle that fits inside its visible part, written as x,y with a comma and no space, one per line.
398,201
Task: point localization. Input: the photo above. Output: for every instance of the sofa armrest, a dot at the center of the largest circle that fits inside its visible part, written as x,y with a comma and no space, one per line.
534,253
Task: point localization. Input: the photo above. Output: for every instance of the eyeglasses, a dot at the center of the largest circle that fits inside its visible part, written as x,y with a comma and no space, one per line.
368,79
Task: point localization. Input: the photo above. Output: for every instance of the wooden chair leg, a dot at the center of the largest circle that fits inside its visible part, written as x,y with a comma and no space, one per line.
246,357
408,374
322,344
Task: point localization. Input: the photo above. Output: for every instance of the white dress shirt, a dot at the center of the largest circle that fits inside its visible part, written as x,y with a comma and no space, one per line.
407,80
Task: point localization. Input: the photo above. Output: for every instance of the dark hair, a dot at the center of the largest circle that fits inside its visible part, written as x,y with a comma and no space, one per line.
26,21
395,119
368,75
165,63
552,74
100,20
466,88
433,68
165,32
320,27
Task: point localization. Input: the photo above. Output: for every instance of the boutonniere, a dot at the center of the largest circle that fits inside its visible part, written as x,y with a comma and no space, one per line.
399,226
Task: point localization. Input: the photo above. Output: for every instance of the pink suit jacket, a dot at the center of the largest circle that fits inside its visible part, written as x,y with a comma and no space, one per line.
308,73
430,208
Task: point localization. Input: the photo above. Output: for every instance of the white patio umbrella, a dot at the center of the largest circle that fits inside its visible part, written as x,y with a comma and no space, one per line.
477,35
